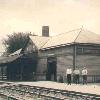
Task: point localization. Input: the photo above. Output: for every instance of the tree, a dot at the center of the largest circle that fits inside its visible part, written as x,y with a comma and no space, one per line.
15,41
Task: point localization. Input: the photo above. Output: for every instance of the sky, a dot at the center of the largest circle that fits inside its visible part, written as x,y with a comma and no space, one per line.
60,15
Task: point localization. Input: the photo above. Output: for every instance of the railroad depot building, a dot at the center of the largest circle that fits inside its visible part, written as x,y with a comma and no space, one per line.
76,49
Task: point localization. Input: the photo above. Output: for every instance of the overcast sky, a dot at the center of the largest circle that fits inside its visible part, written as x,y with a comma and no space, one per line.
60,15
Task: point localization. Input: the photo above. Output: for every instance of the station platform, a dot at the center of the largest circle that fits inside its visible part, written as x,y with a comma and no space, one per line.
92,88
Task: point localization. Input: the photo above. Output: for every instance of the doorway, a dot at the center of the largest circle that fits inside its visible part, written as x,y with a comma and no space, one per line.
51,69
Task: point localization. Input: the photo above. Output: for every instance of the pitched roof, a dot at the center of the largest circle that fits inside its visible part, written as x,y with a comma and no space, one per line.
4,60
86,36
62,39
11,57
39,41
74,36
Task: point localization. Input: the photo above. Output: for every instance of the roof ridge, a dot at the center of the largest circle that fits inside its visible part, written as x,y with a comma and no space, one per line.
78,34
67,32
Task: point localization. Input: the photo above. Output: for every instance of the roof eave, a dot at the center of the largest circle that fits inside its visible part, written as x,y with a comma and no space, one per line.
57,46
69,44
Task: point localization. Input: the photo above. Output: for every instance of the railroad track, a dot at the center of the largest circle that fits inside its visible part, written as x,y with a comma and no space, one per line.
20,92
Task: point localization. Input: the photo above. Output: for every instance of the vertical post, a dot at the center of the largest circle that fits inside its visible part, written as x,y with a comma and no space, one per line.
74,56
2,72
21,70
21,77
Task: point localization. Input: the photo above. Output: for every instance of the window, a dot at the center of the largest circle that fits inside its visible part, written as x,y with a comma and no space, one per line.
86,50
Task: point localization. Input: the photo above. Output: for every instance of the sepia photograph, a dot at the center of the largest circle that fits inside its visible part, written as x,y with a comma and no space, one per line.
49,49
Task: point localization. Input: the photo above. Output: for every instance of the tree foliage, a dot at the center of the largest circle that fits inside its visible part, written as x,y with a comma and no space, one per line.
15,41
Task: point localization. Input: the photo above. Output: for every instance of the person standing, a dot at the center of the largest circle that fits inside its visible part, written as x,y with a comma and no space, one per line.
84,75
76,75
68,74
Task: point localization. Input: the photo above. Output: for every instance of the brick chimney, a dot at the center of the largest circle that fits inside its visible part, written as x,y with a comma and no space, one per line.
45,31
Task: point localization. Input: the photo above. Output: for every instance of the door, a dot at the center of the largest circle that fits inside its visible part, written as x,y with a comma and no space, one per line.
51,69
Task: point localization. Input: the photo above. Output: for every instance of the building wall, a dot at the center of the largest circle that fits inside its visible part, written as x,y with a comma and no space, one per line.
41,69
59,51
30,47
64,59
86,55
91,62
63,62
89,56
